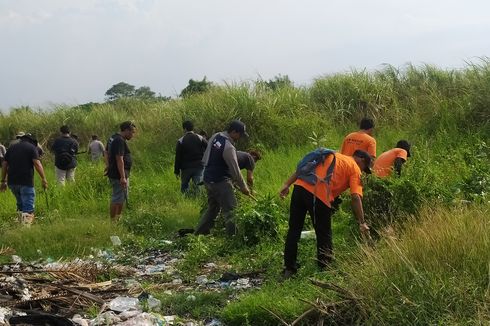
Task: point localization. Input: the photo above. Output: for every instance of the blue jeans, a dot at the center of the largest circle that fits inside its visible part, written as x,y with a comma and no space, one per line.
187,174
25,196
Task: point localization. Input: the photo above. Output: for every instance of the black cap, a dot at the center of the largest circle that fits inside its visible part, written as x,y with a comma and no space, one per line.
368,160
239,127
403,144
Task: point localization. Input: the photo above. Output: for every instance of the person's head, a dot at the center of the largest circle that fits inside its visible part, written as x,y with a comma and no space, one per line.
65,130
237,129
188,125
363,160
29,138
127,129
255,155
19,134
404,145
367,125
95,137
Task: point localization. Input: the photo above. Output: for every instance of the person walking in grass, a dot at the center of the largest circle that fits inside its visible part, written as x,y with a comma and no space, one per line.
188,157
318,201
65,149
96,149
247,160
118,166
392,160
362,139
220,170
18,173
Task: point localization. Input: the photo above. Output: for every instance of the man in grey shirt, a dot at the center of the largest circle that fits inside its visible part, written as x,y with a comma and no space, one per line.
220,170
96,149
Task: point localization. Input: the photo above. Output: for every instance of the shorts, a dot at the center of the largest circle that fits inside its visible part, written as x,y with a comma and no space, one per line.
119,194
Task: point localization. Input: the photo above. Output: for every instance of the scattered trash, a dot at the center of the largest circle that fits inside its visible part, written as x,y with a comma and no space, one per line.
16,259
202,279
191,298
115,240
308,234
121,304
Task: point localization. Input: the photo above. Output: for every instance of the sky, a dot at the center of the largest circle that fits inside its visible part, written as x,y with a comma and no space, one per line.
55,52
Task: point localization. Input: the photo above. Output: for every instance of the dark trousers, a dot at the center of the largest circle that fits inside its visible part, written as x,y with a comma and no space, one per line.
221,198
186,175
301,203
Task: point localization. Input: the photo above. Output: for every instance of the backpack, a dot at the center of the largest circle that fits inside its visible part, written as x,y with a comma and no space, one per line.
65,159
305,170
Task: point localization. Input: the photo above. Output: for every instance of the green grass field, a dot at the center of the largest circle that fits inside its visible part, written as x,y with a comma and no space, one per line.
430,263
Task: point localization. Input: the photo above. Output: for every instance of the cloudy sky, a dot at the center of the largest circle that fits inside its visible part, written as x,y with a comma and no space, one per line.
72,51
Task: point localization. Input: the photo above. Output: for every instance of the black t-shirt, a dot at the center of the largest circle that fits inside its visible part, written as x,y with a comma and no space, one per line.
20,165
117,146
245,161
62,147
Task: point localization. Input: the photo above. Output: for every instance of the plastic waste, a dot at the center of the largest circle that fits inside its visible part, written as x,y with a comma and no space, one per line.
16,259
123,303
308,235
115,240
202,279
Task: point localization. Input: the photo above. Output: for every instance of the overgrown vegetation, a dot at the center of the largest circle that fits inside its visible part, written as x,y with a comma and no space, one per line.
428,265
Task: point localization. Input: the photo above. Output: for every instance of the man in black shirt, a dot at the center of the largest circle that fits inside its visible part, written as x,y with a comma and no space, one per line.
247,160
118,166
18,172
188,157
65,148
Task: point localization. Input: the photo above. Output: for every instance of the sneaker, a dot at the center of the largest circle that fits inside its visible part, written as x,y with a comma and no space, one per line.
27,218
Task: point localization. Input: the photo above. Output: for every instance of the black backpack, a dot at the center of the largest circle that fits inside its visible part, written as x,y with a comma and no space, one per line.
65,159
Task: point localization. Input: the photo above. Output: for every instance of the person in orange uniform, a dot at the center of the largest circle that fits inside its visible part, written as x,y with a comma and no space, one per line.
392,160
318,199
362,139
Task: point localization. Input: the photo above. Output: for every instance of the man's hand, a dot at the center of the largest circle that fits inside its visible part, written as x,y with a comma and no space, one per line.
245,191
3,186
284,191
364,229
44,183
124,182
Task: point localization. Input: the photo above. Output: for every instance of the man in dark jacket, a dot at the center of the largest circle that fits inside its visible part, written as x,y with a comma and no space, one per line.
18,172
65,149
188,157
221,169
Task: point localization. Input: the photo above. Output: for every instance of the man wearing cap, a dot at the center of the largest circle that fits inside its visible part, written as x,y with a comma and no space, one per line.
246,161
65,149
18,172
392,160
220,170
318,200
361,139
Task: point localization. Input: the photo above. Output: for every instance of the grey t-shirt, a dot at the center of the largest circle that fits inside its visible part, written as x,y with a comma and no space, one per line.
96,149
245,161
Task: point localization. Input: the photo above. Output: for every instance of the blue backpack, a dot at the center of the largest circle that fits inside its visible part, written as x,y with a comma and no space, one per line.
305,170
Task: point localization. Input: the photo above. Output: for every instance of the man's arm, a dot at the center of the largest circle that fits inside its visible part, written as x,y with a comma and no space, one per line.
178,159
229,155
3,184
250,178
39,168
284,191
398,165
120,169
356,203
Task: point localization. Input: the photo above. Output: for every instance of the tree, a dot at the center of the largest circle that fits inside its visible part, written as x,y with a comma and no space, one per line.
145,93
279,81
196,87
120,90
